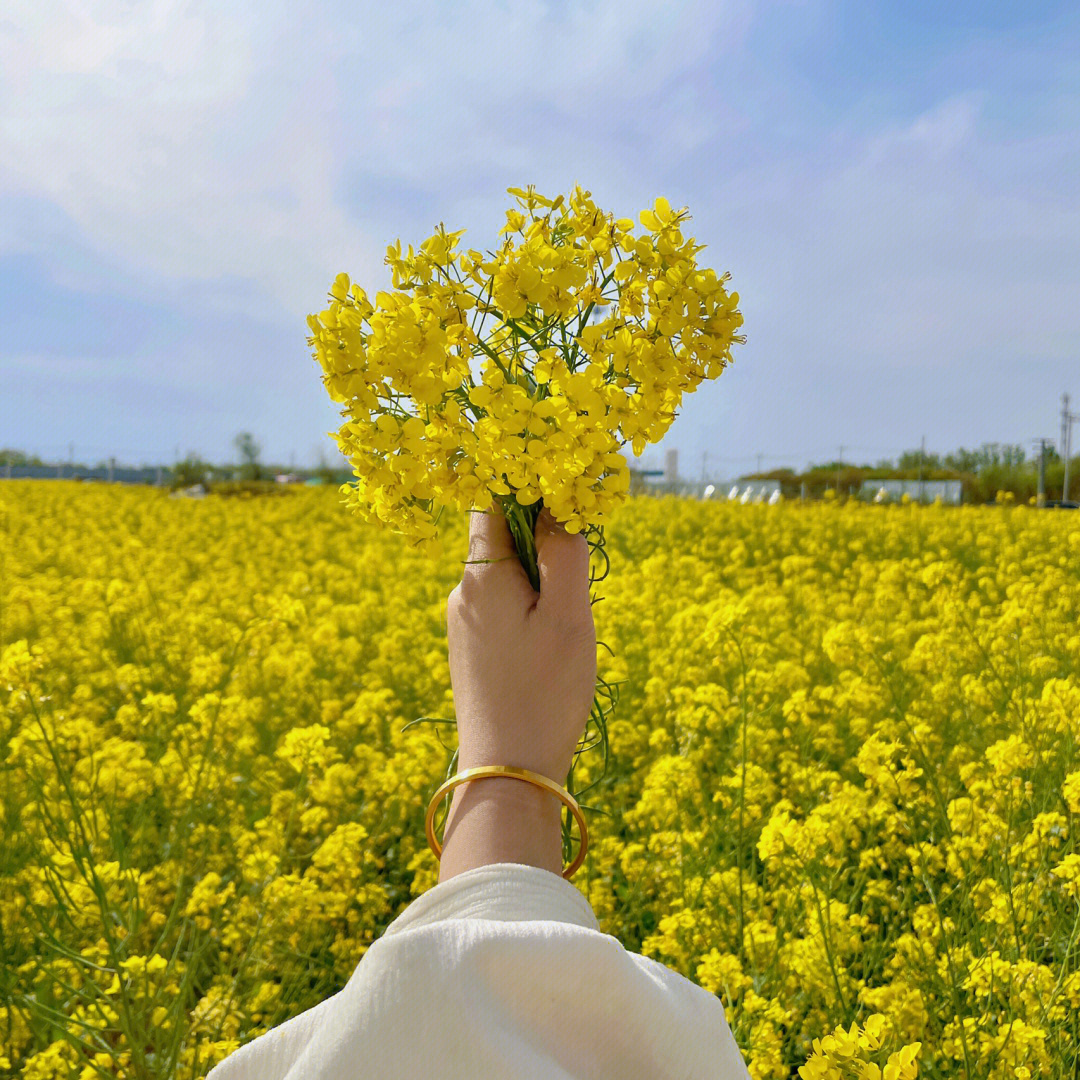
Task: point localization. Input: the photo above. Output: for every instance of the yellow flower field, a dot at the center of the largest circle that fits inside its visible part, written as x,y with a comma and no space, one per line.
843,791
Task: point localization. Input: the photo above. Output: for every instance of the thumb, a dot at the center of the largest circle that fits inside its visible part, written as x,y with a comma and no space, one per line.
562,559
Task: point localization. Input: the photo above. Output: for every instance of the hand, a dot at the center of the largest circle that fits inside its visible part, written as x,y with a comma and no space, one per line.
522,663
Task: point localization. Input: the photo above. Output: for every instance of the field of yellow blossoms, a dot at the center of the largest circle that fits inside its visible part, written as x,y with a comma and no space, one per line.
843,792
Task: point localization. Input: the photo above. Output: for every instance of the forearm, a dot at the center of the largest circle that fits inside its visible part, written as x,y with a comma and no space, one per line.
500,819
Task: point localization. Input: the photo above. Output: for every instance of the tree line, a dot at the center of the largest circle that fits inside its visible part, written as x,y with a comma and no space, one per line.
248,470
982,472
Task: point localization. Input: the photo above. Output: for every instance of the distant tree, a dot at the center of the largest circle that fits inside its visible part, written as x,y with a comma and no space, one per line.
914,459
965,461
324,472
833,466
189,472
249,451
17,457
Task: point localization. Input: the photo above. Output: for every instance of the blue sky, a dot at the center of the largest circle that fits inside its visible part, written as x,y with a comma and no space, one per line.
895,189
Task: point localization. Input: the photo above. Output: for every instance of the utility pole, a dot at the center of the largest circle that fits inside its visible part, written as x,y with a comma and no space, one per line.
1067,421
839,462
759,457
1064,420
1042,444
922,465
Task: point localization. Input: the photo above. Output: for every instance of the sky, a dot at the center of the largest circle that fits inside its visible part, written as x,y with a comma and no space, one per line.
894,188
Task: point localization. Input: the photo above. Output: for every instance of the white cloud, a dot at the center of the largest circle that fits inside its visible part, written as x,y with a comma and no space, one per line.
139,122
905,249
203,140
933,135
272,146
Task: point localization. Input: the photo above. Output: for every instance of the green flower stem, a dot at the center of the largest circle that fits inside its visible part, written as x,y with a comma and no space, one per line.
522,523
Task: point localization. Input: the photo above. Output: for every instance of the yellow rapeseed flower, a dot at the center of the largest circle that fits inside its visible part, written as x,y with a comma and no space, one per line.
843,788
556,399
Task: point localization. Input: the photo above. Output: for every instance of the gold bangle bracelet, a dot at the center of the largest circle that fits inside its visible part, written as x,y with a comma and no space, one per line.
517,774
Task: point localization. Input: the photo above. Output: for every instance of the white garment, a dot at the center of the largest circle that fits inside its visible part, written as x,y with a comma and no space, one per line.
502,971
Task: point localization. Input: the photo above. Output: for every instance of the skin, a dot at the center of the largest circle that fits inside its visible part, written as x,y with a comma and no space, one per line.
523,672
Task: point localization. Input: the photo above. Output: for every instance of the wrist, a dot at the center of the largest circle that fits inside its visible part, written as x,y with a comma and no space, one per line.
501,819
517,796
556,773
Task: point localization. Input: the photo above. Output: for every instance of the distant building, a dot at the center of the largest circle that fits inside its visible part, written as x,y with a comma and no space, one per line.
671,467
949,492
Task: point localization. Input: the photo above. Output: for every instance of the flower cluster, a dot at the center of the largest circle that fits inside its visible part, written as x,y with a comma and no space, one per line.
846,782
849,1055
441,414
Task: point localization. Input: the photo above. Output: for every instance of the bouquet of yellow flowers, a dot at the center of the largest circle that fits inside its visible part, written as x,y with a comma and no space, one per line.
533,412
555,398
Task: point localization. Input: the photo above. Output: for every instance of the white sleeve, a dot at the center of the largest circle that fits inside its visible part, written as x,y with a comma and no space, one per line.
501,971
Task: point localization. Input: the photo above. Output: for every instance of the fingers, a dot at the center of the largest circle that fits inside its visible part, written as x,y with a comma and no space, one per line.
563,561
493,568
489,536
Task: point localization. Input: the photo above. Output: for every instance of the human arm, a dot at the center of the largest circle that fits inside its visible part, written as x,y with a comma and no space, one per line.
523,670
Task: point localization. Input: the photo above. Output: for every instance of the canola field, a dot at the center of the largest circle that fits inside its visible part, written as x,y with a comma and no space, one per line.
843,791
